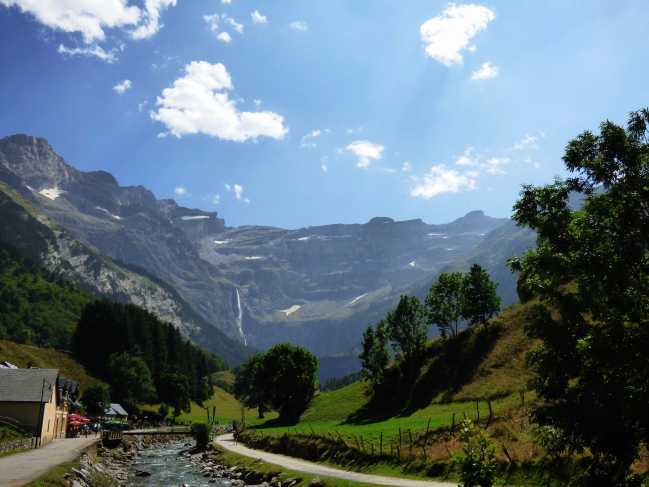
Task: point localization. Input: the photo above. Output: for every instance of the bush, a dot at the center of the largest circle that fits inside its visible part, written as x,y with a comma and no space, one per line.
202,434
478,458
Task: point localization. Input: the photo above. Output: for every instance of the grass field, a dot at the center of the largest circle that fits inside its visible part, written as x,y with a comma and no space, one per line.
47,358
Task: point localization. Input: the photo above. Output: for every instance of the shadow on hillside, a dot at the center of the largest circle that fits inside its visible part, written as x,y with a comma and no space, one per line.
447,366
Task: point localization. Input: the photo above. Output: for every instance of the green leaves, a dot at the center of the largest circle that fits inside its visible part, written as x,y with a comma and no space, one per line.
477,461
130,378
591,275
96,399
375,356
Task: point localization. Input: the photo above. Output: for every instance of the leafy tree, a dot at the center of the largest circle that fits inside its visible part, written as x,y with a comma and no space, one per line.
478,462
407,330
481,302
282,378
591,275
173,389
249,386
375,356
96,399
130,378
202,433
445,303
163,410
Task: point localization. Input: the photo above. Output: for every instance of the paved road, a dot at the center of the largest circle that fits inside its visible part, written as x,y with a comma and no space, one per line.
316,469
21,468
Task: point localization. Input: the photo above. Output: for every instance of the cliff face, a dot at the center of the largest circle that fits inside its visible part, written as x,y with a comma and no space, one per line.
315,286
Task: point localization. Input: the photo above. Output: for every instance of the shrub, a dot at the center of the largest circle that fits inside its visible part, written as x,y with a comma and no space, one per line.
478,458
202,433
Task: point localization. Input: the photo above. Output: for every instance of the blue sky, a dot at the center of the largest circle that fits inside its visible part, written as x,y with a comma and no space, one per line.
296,113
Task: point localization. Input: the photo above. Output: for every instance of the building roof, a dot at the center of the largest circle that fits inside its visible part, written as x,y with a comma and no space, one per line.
7,365
26,385
116,409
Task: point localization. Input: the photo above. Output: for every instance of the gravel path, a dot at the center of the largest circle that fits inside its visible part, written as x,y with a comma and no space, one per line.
226,442
21,468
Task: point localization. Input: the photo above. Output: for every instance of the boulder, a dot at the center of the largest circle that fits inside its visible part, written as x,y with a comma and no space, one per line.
315,482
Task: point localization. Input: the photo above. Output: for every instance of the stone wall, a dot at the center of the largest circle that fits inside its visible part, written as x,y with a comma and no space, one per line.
17,444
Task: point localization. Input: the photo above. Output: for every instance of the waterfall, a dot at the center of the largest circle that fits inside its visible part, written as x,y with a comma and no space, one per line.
240,318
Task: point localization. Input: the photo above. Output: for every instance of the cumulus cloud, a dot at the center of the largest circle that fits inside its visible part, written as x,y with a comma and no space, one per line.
257,18
440,180
324,167
446,35
196,104
406,167
230,20
527,141
485,72
212,21
466,159
141,106
224,36
216,199
122,87
92,19
299,25
226,1
90,51
305,140
238,191
493,165
180,190
365,151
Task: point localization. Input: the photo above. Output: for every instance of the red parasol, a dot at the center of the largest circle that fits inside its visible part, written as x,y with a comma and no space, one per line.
74,423
78,417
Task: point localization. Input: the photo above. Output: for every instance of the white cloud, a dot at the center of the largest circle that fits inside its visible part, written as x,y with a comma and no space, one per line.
257,18
195,104
141,106
216,198
226,1
388,169
246,200
485,72
238,191
224,36
440,180
324,168
230,20
466,159
445,36
493,165
122,87
212,21
351,131
162,135
92,18
152,16
310,135
180,190
227,186
365,151
89,51
406,167
299,25
257,102
528,141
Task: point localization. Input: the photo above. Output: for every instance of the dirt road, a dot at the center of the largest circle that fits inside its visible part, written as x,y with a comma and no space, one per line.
21,468
226,442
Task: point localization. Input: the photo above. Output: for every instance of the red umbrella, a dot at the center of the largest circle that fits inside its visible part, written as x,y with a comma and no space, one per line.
78,417
74,423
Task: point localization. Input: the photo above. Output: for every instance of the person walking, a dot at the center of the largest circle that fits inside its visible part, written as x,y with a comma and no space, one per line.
235,437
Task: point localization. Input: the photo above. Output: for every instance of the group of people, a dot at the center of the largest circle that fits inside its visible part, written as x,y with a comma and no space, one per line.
77,431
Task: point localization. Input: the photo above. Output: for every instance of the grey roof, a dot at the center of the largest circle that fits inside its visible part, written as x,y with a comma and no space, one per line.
7,365
116,409
26,385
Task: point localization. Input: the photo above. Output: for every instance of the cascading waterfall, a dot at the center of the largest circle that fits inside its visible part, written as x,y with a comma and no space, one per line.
240,318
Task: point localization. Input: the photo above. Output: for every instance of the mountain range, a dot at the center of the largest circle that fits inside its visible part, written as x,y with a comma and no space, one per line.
238,290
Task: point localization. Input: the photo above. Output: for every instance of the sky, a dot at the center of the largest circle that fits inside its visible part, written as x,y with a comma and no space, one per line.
297,113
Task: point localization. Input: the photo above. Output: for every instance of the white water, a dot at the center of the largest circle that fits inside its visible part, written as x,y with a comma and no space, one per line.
240,318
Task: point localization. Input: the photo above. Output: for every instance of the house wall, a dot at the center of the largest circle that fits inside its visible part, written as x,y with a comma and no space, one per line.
27,413
49,421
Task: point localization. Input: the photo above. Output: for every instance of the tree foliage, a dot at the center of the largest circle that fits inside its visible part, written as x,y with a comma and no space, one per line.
591,275
96,400
375,356
130,379
283,379
445,303
481,302
477,461
408,331
106,328
173,389
202,434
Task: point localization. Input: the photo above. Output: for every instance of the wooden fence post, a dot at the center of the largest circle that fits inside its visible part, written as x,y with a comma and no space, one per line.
381,445
426,439
477,406
399,439
363,445
507,454
489,404
453,424
464,412
358,447
410,435
372,449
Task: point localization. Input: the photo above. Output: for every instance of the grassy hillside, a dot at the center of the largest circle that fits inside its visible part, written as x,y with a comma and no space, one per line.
47,358
460,376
